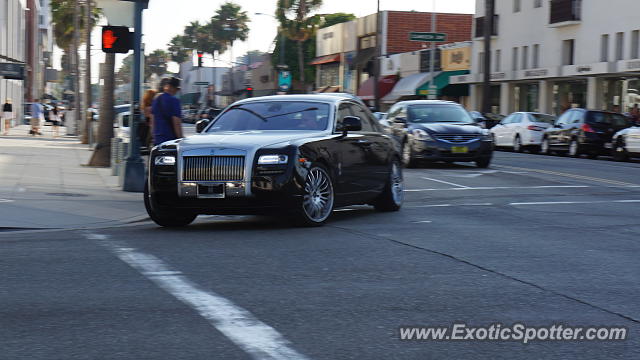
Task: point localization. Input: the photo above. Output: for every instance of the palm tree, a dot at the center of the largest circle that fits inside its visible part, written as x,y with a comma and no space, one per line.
102,152
177,49
297,25
229,24
156,63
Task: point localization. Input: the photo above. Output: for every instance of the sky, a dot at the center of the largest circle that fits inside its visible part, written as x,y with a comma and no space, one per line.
167,18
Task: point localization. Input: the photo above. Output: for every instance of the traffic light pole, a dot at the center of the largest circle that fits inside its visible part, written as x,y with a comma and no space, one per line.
134,169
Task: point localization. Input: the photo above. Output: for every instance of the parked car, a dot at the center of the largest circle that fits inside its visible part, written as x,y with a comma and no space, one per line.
522,130
490,120
580,131
435,130
299,155
626,143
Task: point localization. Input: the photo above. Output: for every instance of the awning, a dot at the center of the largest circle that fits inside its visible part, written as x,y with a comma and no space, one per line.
325,59
407,87
363,57
385,84
442,85
328,89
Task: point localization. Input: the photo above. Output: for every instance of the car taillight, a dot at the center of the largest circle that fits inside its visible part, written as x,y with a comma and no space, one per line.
535,128
586,128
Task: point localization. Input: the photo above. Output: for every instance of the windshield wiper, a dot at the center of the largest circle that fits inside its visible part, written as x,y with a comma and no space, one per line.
292,112
252,112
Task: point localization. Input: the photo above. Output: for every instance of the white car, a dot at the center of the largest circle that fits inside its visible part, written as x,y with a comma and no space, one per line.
626,143
522,130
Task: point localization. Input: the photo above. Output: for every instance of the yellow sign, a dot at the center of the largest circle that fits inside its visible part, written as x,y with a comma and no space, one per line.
456,59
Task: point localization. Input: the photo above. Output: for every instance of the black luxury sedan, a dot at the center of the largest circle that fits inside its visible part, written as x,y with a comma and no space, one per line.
299,155
580,131
435,130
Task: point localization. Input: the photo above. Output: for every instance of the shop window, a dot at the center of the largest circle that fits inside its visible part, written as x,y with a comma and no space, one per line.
514,59
635,38
619,46
525,57
498,65
568,52
536,56
604,48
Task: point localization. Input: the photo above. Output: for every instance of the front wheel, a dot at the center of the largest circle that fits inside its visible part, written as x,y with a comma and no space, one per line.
393,193
484,162
574,149
517,144
619,151
544,147
164,218
317,198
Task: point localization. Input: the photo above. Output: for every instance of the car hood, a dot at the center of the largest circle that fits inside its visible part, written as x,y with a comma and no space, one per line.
242,140
442,128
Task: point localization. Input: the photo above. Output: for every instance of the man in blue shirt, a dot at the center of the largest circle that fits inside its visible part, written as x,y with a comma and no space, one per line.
37,115
166,110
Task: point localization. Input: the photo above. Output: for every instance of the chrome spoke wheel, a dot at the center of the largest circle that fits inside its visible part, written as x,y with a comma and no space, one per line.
397,185
317,201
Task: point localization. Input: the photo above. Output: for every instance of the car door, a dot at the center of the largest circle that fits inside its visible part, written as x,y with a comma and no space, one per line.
573,127
376,148
499,131
512,129
554,134
351,155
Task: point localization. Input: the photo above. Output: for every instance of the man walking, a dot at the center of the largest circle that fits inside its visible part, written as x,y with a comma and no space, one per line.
167,122
37,116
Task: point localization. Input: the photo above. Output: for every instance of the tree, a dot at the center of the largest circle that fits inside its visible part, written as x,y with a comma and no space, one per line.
102,152
124,73
336,18
177,49
297,25
156,63
229,24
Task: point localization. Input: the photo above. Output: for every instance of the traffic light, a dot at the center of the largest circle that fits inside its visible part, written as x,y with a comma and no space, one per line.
200,54
249,91
116,39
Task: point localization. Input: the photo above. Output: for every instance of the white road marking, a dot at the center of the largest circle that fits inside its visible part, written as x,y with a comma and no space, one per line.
5,200
574,176
422,222
253,336
448,205
464,175
502,188
575,202
445,182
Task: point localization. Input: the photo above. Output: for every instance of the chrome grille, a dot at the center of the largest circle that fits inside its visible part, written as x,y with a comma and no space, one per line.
456,138
213,168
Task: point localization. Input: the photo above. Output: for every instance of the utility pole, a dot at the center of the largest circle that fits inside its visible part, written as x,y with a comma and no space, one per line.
487,32
76,66
432,60
134,169
88,129
376,76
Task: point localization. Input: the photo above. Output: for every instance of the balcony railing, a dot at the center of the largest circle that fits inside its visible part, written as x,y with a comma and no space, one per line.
479,31
565,10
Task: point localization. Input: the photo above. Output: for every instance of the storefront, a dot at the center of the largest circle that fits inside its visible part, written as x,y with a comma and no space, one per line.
569,94
445,90
526,97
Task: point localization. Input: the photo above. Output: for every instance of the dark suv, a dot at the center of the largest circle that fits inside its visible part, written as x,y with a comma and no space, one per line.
581,131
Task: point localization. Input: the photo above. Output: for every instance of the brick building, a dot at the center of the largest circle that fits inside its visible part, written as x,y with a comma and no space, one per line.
400,23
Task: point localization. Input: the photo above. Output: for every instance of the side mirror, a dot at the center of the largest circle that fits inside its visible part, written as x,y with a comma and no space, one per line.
351,123
400,120
200,125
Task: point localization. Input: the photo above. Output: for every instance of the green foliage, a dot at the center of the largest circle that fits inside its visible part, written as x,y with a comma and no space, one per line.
336,18
154,63
62,12
178,52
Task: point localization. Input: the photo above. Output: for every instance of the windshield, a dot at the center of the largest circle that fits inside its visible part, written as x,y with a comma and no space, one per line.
438,114
608,119
273,115
543,118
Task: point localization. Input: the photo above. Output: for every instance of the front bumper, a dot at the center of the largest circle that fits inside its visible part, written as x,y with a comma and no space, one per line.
439,150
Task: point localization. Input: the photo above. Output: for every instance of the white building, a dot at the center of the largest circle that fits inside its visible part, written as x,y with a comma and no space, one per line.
197,82
555,54
12,49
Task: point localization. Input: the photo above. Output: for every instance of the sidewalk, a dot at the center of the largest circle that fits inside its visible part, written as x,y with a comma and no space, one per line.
43,184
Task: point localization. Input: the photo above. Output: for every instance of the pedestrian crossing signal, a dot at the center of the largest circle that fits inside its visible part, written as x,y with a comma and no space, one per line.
116,39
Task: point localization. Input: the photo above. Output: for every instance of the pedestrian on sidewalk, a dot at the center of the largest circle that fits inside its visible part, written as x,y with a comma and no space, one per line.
37,116
54,116
7,116
167,116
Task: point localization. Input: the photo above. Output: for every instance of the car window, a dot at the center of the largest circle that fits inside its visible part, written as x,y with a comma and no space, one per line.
603,118
438,113
368,124
542,118
393,112
517,118
576,117
507,120
343,110
273,115
564,118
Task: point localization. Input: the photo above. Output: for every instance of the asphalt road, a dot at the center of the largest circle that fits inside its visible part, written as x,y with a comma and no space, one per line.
534,239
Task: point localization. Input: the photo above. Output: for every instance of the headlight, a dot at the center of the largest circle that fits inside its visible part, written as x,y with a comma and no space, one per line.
273,159
420,134
165,160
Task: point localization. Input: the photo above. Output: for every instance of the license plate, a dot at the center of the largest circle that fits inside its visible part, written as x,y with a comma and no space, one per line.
459,149
607,145
211,191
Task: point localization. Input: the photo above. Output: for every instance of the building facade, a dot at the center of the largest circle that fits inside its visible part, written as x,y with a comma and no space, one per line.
550,56
12,49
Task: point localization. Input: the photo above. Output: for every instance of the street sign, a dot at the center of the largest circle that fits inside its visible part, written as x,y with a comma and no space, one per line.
284,81
116,39
427,36
12,71
203,83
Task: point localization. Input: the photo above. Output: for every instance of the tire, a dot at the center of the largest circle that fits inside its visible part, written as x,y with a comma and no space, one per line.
392,195
534,149
574,149
545,149
318,197
408,160
592,156
619,151
483,163
517,144
163,218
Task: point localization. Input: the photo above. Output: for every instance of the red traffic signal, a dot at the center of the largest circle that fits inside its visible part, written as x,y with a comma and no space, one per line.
116,39
200,54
